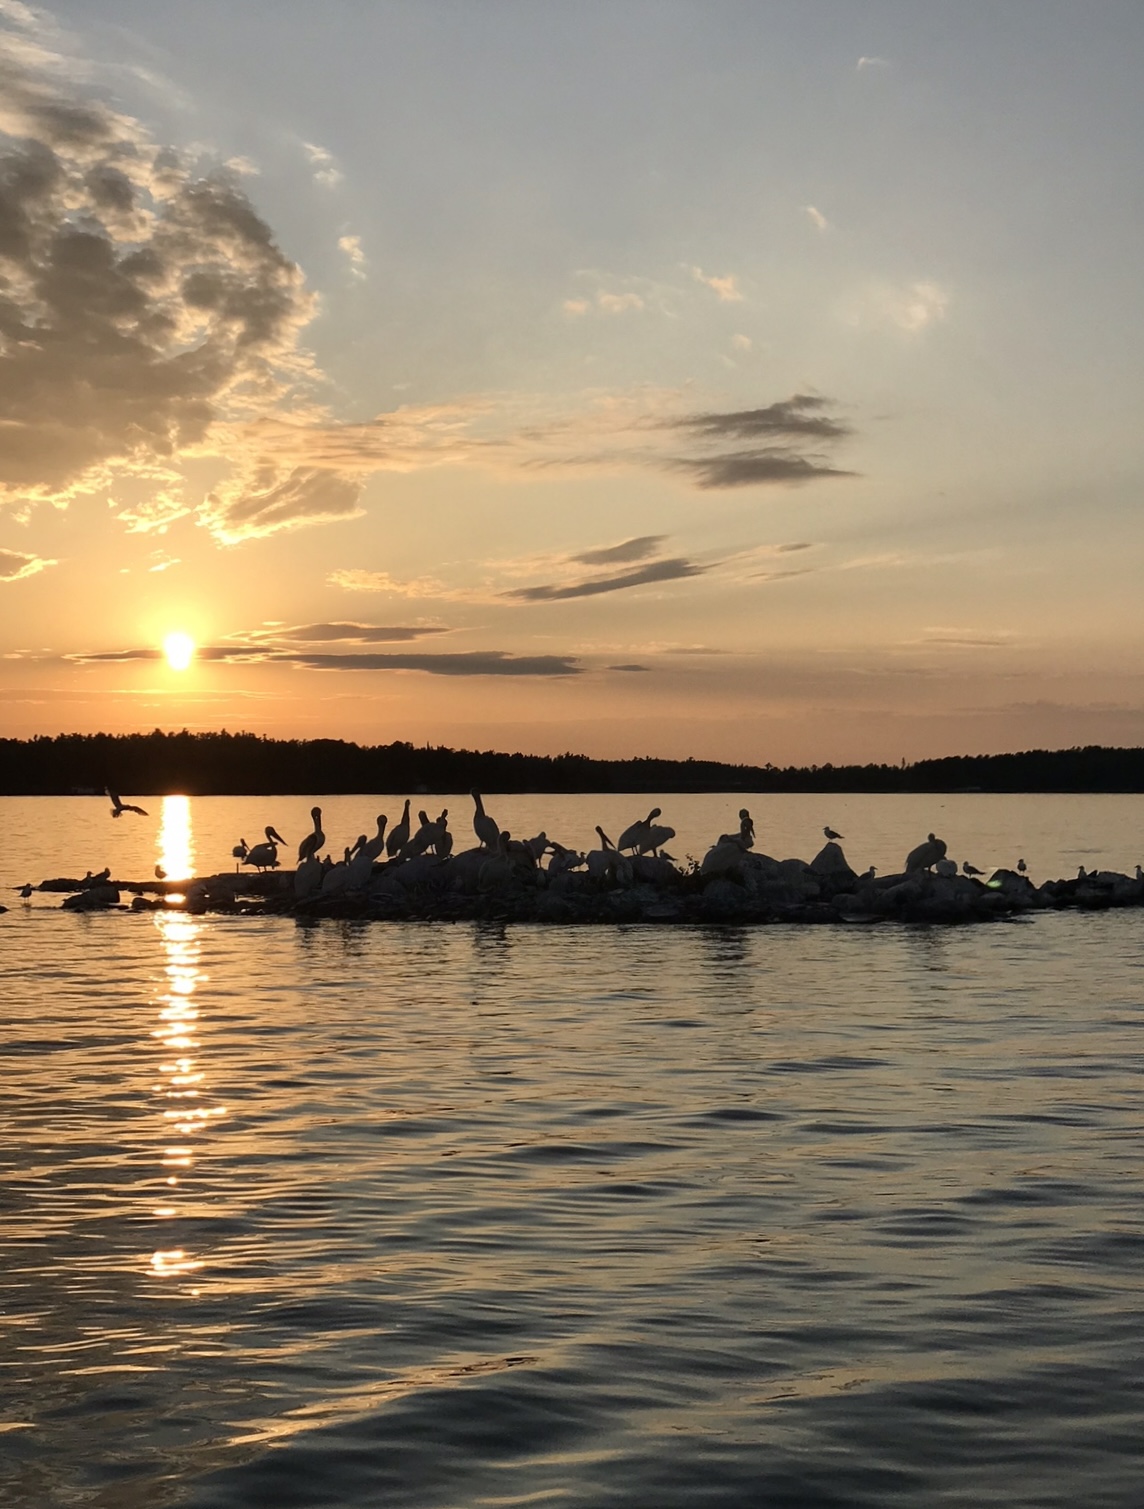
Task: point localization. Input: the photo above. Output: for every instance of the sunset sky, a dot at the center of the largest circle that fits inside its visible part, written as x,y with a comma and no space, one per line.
751,380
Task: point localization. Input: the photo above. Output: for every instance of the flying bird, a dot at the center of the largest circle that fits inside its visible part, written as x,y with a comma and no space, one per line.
831,835
118,808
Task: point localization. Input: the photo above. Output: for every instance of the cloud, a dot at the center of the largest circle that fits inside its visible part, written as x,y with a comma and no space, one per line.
355,579
726,287
797,416
352,247
628,550
348,633
816,217
576,307
752,468
864,63
629,668
619,303
656,571
324,164
143,300
912,307
465,663
742,342
966,639
15,565
265,500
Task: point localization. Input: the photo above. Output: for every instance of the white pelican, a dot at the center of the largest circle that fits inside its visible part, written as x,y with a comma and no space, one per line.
607,860
926,855
656,836
264,856
484,826
443,843
313,841
831,835
398,834
746,834
118,808
538,846
375,846
633,835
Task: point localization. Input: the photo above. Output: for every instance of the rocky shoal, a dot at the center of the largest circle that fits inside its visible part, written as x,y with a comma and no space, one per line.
468,887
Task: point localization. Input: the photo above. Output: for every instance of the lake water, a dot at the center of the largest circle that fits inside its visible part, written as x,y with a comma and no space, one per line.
354,1215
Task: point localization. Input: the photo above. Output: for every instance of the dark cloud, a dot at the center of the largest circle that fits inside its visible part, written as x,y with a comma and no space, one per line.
468,663
779,576
352,633
798,545
628,550
629,668
265,500
750,468
140,300
656,571
797,416
14,564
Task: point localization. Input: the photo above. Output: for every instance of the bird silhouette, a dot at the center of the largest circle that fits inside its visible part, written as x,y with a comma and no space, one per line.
484,826
398,834
831,835
118,808
313,841
1022,867
971,869
160,873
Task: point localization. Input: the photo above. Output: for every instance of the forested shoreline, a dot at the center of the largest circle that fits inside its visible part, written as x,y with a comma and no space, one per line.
242,764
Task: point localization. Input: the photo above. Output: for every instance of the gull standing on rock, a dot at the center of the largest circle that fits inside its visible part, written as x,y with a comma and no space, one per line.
834,837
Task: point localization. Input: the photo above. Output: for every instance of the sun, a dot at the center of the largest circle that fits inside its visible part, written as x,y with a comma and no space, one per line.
179,650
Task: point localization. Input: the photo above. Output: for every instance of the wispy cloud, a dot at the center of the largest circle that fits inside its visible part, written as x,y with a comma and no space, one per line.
726,287
352,247
15,565
345,633
655,571
816,217
464,663
324,165
910,307
627,550
865,63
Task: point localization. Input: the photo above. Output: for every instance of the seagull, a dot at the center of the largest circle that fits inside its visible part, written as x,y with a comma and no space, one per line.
831,835
971,869
27,888
1022,867
160,873
239,853
118,808
313,841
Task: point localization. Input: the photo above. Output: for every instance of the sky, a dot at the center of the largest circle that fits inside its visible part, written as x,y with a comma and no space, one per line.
731,379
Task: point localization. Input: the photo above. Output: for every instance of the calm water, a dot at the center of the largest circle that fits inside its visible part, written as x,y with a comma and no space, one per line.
406,1215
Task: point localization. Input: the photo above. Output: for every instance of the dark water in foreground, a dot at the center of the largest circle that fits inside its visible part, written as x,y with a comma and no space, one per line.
405,1215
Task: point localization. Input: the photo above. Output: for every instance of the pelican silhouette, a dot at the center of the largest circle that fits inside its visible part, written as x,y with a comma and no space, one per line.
831,835
398,834
264,856
375,846
745,837
484,826
313,841
632,837
118,808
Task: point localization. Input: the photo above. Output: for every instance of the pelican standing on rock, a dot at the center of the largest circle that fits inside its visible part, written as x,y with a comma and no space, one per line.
746,834
484,826
264,856
634,835
399,833
310,845
375,846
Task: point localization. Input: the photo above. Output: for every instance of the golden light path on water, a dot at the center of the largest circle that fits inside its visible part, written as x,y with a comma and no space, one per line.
182,1089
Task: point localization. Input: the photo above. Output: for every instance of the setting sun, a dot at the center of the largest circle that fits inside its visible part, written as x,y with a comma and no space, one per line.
179,650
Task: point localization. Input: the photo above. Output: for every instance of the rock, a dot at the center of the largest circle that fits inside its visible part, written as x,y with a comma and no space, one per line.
96,898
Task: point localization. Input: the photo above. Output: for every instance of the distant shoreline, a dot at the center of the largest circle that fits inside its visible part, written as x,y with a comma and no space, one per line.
226,764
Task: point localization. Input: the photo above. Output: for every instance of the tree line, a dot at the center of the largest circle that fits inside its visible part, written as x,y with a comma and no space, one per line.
243,764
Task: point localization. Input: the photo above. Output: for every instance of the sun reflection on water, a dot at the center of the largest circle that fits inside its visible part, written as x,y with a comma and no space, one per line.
175,843
186,1115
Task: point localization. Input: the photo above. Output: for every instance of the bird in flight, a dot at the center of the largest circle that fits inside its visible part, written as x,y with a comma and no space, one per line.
118,808
831,835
